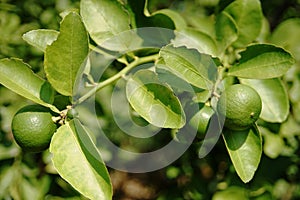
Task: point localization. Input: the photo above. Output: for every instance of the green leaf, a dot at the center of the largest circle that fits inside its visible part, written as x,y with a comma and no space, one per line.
176,18
154,101
193,38
200,121
64,57
159,19
78,161
226,31
245,149
176,83
104,19
248,17
262,61
286,35
275,102
202,97
40,38
18,77
190,65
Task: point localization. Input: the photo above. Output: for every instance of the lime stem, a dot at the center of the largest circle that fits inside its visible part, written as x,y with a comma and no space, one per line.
136,62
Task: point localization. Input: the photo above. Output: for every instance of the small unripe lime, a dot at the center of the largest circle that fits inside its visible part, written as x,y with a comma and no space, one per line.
241,105
33,127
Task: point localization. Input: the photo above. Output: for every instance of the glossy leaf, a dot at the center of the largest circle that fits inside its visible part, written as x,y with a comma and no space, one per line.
154,101
275,102
262,61
226,30
190,65
40,38
192,38
104,19
18,77
245,149
78,161
64,57
248,17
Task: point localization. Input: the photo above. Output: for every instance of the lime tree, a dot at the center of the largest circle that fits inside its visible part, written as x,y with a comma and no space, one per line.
241,105
33,127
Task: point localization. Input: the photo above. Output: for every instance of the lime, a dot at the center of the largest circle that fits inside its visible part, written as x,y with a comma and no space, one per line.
241,106
33,127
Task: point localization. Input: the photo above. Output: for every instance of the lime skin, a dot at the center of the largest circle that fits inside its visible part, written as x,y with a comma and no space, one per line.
241,105
33,127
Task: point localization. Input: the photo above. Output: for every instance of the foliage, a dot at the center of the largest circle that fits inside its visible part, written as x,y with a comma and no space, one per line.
78,52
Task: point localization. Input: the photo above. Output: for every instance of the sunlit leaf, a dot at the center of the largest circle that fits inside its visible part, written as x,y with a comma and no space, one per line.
40,38
193,38
64,57
104,19
190,65
262,61
78,161
18,77
154,101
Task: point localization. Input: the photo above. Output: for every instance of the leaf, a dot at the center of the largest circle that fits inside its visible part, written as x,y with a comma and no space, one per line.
275,102
19,78
161,20
64,57
248,17
154,101
40,38
104,19
165,76
190,65
262,61
286,35
226,31
245,149
176,18
78,161
193,38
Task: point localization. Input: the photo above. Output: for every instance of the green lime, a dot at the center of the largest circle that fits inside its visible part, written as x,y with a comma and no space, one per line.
241,106
33,127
